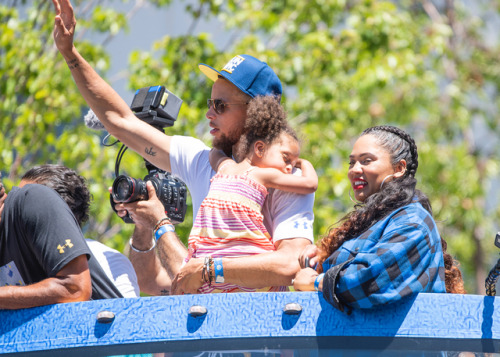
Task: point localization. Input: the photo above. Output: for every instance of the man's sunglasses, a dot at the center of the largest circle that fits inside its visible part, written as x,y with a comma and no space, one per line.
219,105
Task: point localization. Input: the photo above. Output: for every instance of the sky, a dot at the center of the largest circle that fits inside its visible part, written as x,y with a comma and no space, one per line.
146,26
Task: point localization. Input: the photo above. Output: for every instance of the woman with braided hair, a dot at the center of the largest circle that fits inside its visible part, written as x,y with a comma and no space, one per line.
388,247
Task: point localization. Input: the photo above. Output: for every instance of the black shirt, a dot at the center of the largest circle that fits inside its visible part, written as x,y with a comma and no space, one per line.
38,236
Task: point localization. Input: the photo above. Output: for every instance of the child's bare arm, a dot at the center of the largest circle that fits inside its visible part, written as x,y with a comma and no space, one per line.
308,174
305,184
217,158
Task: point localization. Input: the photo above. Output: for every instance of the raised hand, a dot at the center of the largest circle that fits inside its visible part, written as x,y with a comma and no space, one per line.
64,25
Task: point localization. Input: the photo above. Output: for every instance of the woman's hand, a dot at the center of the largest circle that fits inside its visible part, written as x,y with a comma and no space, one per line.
304,279
308,257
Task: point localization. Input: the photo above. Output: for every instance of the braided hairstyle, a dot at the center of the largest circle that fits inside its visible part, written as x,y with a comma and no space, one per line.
266,121
394,194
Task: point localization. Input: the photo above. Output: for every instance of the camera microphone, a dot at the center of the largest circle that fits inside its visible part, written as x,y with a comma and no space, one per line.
92,121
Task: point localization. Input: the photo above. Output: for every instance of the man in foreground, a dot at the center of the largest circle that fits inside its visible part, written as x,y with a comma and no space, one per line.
43,255
112,267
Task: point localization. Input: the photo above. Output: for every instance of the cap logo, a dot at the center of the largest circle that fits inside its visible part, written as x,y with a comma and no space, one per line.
233,64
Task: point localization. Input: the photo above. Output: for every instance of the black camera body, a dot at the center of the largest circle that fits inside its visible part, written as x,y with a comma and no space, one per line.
171,192
158,107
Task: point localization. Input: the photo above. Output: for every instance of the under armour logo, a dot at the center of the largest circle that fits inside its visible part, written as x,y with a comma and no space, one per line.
231,65
67,245
297,225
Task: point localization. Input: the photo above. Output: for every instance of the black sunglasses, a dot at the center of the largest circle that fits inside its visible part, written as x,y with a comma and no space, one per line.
219,105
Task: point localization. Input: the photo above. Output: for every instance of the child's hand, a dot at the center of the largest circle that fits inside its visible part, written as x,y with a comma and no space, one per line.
215,157
301,163
216,153
308,173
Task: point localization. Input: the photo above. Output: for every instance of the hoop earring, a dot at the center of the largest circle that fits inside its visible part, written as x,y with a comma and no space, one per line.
352,199
383,181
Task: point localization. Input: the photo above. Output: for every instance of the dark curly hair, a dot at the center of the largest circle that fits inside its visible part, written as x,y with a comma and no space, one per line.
266,121
67,183
394,194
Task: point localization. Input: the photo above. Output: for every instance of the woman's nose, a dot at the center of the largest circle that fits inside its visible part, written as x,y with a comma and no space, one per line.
356,167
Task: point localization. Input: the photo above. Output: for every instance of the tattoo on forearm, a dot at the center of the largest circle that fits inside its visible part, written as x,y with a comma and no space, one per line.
150,151
73,64
164,292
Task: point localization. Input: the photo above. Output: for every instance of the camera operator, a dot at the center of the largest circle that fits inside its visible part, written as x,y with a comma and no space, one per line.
287,216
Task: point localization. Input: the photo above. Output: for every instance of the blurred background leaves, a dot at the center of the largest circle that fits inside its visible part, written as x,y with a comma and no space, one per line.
430,67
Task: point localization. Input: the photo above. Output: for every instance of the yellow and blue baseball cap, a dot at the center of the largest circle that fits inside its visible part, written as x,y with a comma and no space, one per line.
250,75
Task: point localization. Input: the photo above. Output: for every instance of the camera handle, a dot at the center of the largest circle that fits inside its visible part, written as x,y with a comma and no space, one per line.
149,166
112,202
125,218
492,278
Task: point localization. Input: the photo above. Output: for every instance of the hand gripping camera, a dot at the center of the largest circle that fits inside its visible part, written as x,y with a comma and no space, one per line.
158,107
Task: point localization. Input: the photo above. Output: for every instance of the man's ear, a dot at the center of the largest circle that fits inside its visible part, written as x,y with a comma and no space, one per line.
400,169
259,147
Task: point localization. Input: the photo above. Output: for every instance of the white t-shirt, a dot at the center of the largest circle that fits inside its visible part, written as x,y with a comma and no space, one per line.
117,267
286,214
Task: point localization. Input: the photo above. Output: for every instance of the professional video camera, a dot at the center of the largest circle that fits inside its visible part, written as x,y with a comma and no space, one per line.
158,107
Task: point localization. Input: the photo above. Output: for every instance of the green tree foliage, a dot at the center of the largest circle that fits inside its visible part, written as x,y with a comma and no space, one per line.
41,109
427,66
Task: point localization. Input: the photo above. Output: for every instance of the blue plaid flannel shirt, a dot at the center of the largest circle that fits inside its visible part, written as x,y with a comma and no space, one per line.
399,256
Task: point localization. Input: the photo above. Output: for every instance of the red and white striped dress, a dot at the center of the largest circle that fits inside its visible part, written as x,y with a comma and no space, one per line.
230,224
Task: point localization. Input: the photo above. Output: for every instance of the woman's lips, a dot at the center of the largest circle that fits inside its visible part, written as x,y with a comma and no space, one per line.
358,184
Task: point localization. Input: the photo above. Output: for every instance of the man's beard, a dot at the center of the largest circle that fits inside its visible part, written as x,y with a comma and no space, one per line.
226,142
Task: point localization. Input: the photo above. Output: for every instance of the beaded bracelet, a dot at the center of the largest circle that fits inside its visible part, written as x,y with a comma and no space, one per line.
161,223
318,280
141,251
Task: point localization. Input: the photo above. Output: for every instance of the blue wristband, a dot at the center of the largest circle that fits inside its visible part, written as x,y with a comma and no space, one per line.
164,229
318,280
218,270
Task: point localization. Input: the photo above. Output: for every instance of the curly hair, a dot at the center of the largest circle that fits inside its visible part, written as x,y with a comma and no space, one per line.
67,183
266,121
394,194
